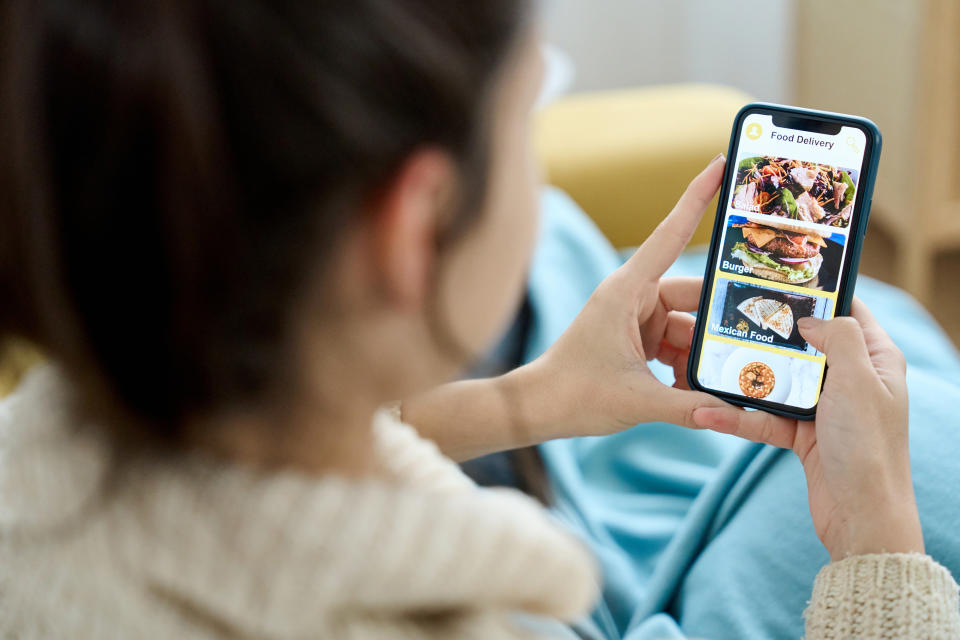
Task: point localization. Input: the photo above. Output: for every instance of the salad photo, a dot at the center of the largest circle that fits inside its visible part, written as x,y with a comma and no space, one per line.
796,190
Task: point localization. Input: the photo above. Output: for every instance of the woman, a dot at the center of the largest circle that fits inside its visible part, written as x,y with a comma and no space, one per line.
240,228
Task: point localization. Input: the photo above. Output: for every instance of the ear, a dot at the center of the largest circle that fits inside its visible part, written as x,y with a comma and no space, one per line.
405,222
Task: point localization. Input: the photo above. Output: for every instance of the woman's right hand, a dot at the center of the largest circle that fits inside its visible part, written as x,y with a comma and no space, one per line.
855,454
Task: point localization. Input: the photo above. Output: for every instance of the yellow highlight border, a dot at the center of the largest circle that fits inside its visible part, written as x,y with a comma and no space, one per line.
765,347
802,356
757,345
770,284
767,284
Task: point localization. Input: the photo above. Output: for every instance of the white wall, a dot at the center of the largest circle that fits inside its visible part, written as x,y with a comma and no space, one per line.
620,43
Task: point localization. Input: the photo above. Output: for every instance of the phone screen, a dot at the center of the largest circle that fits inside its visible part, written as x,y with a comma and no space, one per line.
788,216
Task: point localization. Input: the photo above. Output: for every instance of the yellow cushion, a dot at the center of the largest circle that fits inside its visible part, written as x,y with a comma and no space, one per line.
626,156
16,358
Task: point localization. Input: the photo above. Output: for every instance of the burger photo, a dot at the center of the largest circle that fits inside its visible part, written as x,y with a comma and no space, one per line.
779,251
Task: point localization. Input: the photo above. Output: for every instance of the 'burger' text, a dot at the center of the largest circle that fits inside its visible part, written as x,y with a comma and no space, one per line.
737,268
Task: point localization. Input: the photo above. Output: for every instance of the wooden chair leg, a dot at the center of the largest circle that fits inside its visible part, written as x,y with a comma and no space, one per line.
916,270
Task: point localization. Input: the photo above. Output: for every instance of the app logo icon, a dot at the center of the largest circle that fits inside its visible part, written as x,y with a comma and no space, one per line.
754,131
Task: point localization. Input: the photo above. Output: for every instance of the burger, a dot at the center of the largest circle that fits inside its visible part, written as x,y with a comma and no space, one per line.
779,252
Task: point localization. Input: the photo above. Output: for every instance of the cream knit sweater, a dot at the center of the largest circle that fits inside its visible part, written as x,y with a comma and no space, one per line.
192,548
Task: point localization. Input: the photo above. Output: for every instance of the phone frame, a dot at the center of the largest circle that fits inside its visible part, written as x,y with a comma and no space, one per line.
857,232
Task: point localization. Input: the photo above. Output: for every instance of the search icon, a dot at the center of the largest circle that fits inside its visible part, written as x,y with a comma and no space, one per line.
853,144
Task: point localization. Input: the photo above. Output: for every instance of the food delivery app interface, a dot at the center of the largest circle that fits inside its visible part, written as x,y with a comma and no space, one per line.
785,234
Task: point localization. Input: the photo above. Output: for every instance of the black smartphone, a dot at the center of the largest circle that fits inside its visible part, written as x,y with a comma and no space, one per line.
786,243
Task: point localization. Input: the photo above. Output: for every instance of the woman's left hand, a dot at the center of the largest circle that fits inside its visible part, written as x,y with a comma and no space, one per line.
595,380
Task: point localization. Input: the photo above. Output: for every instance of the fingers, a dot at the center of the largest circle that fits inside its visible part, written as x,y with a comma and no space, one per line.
681,293
666,325
884,353
680,371
857,342
674,350
841,339
757,426
677,332
676,360
864,316
670,355
670,237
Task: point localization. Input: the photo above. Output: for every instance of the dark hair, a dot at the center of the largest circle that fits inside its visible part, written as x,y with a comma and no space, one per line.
171,172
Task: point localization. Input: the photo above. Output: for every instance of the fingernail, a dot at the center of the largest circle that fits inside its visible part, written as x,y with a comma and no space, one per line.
807,323
716,160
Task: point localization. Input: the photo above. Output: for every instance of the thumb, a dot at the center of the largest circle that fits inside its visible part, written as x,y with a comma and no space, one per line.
670,237
676,406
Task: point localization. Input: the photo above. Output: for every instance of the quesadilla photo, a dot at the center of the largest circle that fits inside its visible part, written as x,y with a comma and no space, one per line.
769,314
761,315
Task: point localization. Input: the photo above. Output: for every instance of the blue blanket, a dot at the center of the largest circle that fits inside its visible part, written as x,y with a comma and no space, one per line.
701,534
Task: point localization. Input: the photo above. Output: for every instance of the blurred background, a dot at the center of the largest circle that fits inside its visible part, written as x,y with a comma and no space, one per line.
643,92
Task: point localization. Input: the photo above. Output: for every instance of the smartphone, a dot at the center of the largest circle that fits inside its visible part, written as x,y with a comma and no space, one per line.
790,224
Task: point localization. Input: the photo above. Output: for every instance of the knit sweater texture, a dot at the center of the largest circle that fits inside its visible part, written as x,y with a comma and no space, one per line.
191,547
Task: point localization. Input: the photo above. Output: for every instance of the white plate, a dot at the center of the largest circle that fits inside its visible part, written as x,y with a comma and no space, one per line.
741,357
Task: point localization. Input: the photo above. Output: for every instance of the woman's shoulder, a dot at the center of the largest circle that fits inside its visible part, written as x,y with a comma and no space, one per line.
256,549
59,573
50,467
409,458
